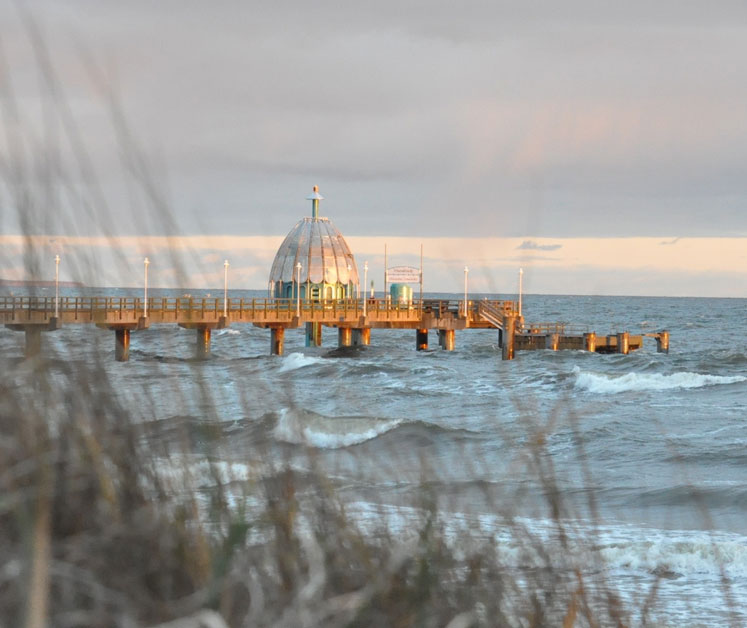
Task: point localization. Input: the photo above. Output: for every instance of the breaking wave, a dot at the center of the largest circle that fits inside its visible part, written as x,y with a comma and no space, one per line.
599,383
302,427
297,361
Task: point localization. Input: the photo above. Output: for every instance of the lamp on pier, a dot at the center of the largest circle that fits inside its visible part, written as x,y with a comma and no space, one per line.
146,261
56,286
466,286
225,288
298,289
365,279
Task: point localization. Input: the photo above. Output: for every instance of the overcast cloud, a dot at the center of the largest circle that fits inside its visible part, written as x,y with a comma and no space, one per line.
426,118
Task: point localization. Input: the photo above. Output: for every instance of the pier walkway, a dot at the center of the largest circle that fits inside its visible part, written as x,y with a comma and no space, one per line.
353,318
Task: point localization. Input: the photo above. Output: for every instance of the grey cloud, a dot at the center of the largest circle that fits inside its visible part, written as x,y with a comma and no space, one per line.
525,120
530,245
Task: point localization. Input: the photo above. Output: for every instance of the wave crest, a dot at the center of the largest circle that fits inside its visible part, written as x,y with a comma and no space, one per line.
296,361
600,383
302,427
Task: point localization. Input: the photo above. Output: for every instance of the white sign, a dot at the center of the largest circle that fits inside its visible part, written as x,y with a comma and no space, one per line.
403,274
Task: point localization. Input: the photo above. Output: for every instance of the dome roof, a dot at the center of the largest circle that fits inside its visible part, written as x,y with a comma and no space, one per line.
322,251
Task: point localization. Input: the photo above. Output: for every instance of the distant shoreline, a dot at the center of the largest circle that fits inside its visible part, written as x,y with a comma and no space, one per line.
23,283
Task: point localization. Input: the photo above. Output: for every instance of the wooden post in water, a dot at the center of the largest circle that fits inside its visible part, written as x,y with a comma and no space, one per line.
509,329
446,339
421,339
121,344
344,336
202,345
277,335
623,343
361,337
662,342
552,341
313,334
590,341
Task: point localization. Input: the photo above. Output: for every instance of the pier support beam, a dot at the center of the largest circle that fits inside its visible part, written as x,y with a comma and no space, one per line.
344,336
623,343
202,345
662,342
590,341
446,339
421,339
277,335
552,341
121,345
33,340
313,334
361,337
509,331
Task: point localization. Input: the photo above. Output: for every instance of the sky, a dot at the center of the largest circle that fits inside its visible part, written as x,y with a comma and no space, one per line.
599,146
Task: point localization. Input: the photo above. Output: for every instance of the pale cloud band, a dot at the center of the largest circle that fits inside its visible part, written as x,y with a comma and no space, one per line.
633,266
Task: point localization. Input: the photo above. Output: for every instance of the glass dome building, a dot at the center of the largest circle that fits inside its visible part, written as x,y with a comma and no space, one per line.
315,259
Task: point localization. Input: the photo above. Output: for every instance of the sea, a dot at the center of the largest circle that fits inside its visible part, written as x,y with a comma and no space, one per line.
645,453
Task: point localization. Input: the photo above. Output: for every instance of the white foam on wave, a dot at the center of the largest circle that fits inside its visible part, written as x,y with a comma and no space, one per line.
305,428
296,361
600,383
228,332
682,553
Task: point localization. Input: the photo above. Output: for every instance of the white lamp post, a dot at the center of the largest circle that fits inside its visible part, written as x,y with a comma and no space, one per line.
225,288
365,289
56,286
521,275
146,261
298,289
466,283
349,284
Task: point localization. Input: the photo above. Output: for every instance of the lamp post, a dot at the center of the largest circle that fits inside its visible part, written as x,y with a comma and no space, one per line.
298,289
365,289
56,286
146,261
466,283
225,288
521,275
349,283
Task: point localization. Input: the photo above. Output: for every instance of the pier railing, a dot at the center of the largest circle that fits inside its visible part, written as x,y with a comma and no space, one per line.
110,310
564,329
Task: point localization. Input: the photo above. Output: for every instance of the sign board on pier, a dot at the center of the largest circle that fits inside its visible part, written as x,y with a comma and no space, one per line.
403,274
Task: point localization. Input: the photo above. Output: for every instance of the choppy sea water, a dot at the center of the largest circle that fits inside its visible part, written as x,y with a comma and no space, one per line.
648,451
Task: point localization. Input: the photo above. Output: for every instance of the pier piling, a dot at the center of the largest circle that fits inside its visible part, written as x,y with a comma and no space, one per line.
202,345
313,334
552,341
344,336
446,339
277,335
509,331
662,342
421,339
623,343
590,341
361,337
121,344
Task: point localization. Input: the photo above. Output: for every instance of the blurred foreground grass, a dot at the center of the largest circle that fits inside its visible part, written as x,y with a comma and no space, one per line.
93,533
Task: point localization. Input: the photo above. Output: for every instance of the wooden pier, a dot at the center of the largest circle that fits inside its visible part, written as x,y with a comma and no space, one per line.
353,319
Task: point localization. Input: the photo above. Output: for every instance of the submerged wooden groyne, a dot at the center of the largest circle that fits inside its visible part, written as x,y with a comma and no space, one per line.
353,318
